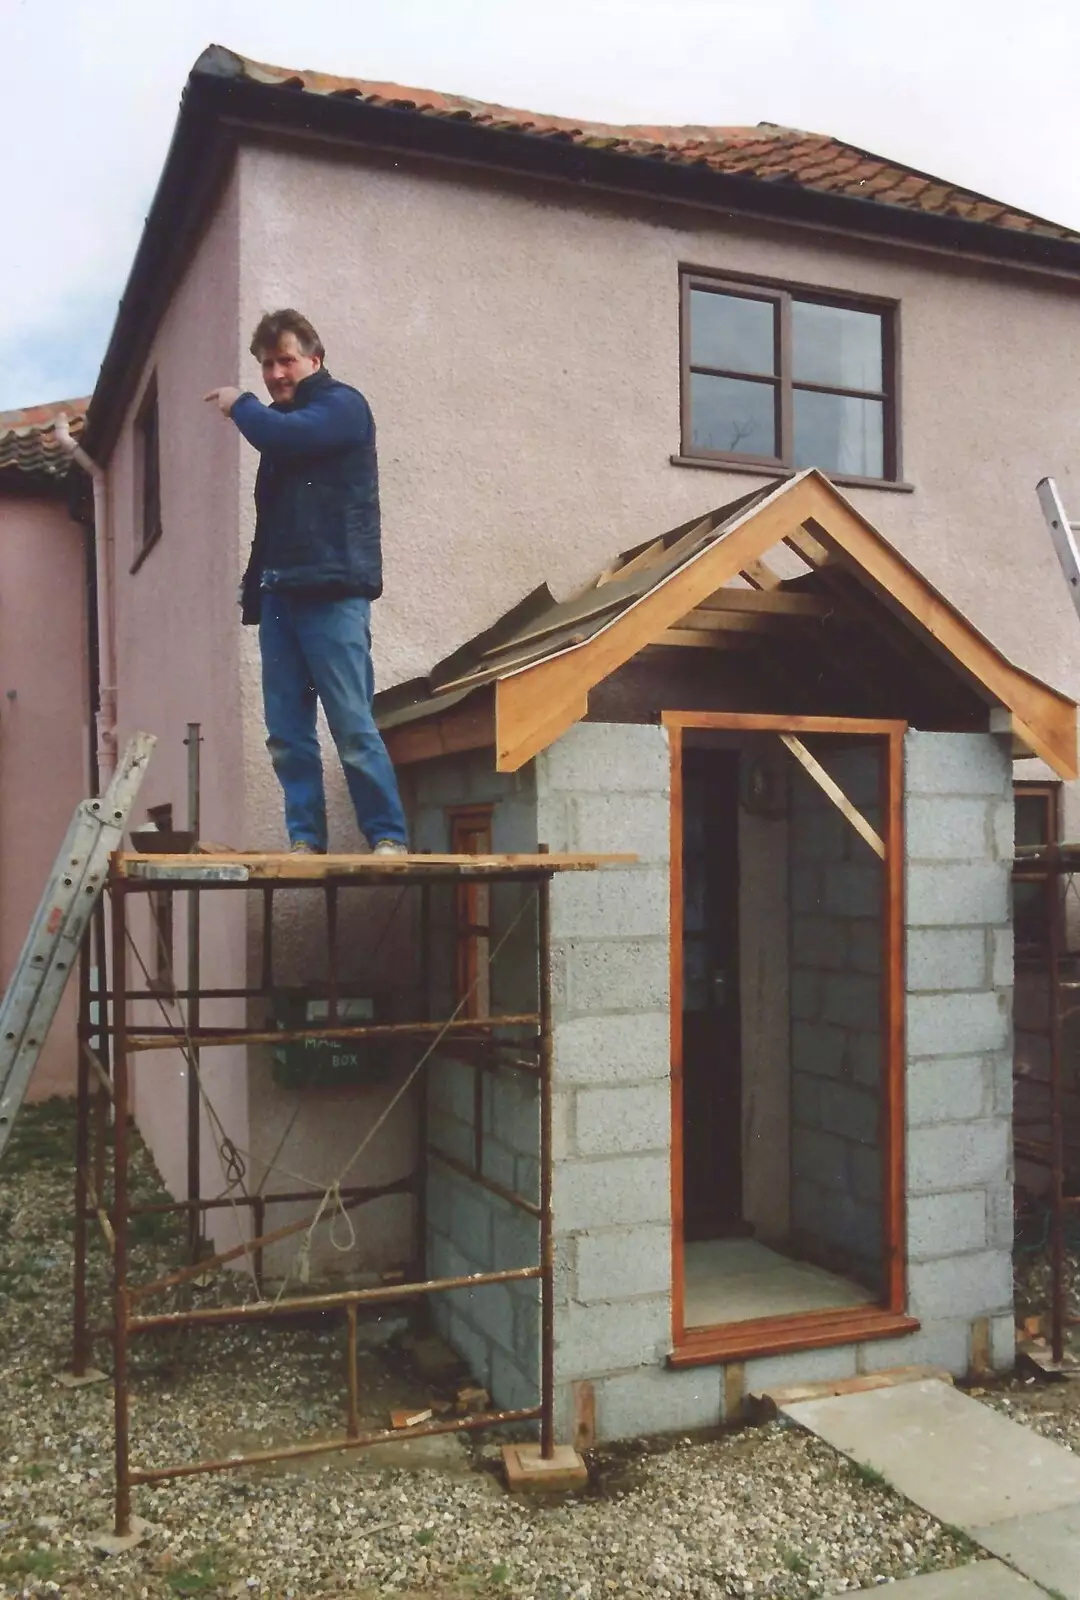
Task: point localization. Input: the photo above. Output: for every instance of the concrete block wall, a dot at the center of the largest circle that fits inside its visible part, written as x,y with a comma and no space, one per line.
470,1230
606,786
836,892
959,833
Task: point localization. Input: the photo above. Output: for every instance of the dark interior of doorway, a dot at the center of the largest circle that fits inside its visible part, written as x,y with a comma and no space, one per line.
712,1067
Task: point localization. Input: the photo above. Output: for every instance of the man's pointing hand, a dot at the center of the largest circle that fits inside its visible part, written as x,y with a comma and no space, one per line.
225,399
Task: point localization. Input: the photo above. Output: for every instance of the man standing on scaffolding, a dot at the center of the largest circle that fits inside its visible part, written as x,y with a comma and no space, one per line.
315,568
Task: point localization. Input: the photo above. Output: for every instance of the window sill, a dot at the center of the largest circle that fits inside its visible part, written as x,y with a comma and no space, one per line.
143,553
773,1336
760,471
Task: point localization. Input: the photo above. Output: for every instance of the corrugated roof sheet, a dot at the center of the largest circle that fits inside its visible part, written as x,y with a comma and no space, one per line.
28,437
768,152
540,626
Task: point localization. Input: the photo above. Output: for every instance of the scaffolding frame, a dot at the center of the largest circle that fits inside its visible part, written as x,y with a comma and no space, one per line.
1055,868
104,1091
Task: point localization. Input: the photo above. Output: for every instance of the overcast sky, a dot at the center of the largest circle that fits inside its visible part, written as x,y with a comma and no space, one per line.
983,92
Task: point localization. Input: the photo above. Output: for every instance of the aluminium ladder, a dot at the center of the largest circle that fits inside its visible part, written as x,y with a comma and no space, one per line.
56,933
1063,533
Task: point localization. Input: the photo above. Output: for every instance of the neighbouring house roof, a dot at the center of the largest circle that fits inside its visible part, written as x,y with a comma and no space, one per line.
28,445
768,171
708,586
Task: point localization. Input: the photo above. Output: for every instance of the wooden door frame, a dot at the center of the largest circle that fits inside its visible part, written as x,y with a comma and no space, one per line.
804,1330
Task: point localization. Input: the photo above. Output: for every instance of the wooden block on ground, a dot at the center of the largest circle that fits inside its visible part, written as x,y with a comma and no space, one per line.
528,1473
91,1375
769,1402
409,1419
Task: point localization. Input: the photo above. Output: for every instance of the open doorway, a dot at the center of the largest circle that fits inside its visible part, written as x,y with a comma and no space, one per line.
785,1114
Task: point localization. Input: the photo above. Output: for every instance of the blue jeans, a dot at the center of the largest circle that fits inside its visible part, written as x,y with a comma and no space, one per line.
312,650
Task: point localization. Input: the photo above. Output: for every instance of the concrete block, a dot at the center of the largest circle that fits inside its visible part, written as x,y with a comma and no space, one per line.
807,989
653,1400
819,1157
946,1224
515,1112
601,757
527,1178
500,1162
806,1100
470,1222
941,1343
516,1237
604,975
957,896
853,888
513,827
807,890
1003,1084
865,1059
608,1338
1003,1342
866,1173
1003,821
635,904
818,1048
864,945
956,763
1002,958
951,1024
851,1000
818,832
857,770
850,1112
1000,1217
450,1136
555,820
623,1263
969,1285
617,1121
473,1347
489,1309
511,1388
853,1226
819,942
638,823
612,1190
804,1366
944,828
947,958
957,1155
619,1049
452,1089
953,1090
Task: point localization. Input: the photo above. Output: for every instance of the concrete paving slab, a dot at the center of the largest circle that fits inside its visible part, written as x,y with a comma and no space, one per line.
982,1580
1046,1546
962,1462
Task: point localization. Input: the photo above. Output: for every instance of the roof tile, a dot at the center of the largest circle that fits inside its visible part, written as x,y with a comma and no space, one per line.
767,152
28,437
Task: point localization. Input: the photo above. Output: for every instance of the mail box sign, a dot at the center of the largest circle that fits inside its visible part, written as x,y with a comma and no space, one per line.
328,1063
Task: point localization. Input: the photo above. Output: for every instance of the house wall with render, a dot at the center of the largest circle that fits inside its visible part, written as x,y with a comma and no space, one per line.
44,737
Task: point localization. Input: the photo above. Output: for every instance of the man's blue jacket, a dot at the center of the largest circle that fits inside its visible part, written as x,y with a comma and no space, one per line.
316,494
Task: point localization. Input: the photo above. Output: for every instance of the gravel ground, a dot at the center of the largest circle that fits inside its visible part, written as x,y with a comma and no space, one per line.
761,1512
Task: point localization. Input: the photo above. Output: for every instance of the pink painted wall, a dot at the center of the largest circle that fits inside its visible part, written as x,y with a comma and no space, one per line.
43,732
519,346
178,662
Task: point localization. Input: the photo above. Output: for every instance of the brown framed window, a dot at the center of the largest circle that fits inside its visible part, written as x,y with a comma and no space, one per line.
1037,808
162,967
470,835
789,378
147,476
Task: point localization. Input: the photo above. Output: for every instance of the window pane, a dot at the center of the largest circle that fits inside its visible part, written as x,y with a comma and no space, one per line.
729,331
1032,818
835,346
839,434
730,415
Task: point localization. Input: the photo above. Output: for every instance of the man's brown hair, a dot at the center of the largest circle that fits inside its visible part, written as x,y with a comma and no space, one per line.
273,324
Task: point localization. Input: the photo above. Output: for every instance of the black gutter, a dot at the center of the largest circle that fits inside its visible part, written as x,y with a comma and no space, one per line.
219,104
